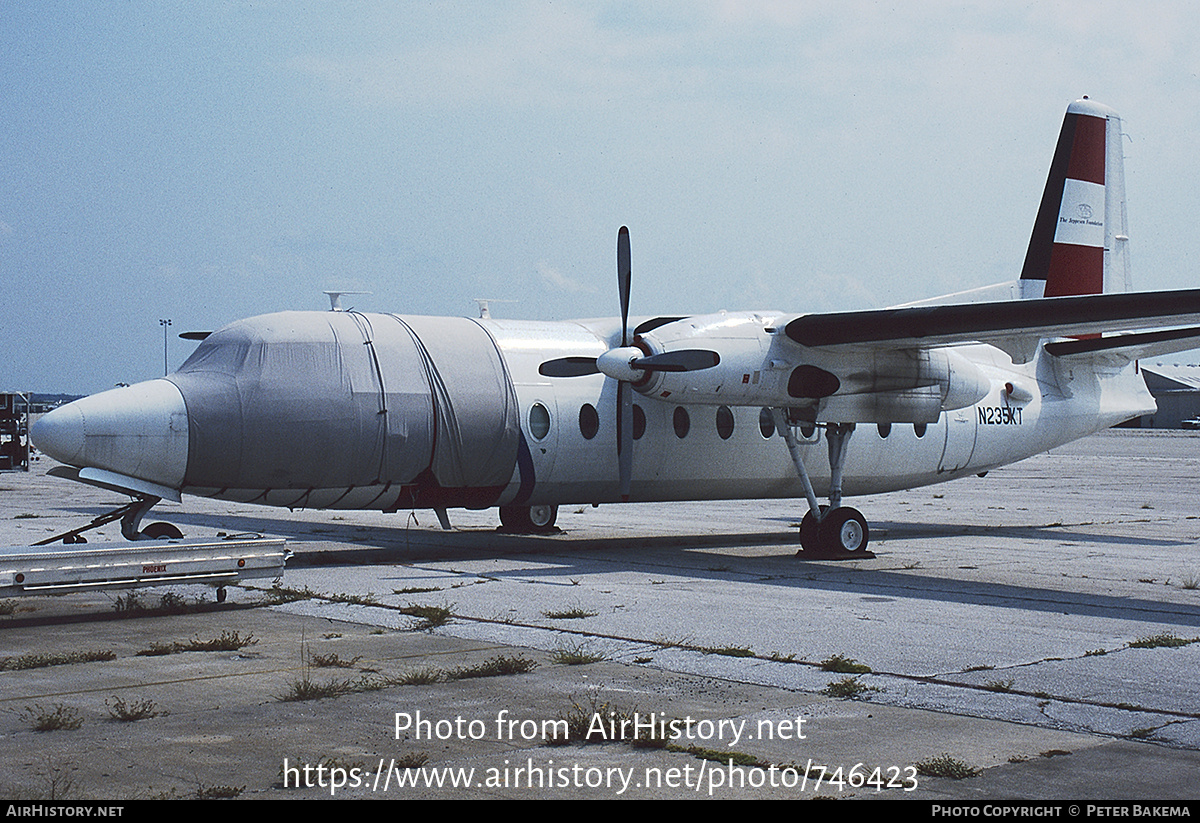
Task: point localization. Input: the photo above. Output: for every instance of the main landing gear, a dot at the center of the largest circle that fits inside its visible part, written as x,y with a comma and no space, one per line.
835,531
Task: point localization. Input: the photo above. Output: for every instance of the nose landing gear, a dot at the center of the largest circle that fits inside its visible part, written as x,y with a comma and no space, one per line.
130,515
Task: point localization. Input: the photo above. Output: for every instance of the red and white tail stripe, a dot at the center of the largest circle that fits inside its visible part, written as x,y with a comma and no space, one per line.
1080,241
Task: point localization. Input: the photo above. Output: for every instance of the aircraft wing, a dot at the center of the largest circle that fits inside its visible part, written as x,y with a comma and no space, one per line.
1016,326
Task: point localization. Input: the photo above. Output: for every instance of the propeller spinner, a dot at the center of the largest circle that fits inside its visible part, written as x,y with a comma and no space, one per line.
627,365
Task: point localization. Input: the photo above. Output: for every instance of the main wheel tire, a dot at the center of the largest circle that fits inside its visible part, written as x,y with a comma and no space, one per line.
844,531
528,519
543,517
162,531
810,538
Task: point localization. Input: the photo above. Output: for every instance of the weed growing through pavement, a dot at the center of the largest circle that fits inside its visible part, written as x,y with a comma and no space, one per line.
135,710
419,677
431,616
58,717
570,614
40,660
943,765
1158,641
332,661
307,688
128,602
278,594
578,655
723,757
495,667
227,641
844,665
204,792
368,599
599,721
848,688
728,651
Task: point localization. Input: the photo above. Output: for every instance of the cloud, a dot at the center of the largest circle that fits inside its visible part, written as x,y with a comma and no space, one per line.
557,280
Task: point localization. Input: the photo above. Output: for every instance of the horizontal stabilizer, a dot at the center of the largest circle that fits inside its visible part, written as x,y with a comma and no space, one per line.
1129,347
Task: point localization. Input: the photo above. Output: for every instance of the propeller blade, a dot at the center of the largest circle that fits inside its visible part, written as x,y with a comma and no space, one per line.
677,361
624,277
625,436
568,367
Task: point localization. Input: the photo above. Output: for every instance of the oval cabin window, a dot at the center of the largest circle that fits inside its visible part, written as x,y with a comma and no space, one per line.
766,423
724,423
589,421
682,422
539,421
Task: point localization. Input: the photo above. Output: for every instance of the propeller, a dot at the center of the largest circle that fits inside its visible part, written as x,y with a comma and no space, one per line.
629,364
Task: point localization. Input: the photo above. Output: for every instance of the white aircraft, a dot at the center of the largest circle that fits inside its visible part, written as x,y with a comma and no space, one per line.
350,410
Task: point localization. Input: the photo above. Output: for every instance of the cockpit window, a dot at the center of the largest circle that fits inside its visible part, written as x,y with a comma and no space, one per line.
219,353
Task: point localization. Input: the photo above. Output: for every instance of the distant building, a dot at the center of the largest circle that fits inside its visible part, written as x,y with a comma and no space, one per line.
1176,387
19,411
14,431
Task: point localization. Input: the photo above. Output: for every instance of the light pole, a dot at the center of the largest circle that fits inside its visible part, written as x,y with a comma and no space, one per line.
164,324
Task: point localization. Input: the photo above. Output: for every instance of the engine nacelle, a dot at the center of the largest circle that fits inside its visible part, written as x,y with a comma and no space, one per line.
761,367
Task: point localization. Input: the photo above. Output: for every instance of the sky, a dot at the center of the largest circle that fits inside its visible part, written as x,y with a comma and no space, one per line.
207,161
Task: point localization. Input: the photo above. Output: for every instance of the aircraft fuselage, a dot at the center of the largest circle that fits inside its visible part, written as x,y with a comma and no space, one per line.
370,411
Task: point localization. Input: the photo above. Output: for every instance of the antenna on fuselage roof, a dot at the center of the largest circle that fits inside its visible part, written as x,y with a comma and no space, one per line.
485,311
335,298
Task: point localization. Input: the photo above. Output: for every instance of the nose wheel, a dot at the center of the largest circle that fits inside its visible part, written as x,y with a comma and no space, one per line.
162,531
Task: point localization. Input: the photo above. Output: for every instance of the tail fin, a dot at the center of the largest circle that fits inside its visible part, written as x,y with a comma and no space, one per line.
1080,242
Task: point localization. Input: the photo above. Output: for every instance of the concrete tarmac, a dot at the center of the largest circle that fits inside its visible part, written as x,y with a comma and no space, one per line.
1032,625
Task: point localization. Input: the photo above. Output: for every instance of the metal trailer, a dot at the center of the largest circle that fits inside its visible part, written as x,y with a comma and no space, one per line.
218,562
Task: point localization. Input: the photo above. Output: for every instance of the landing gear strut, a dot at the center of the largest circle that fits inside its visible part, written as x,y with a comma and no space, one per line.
835,531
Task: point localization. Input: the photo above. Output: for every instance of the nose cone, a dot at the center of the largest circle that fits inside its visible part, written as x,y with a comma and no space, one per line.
139,431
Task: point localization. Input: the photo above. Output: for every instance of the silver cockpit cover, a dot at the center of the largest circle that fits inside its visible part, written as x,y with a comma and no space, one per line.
342,399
